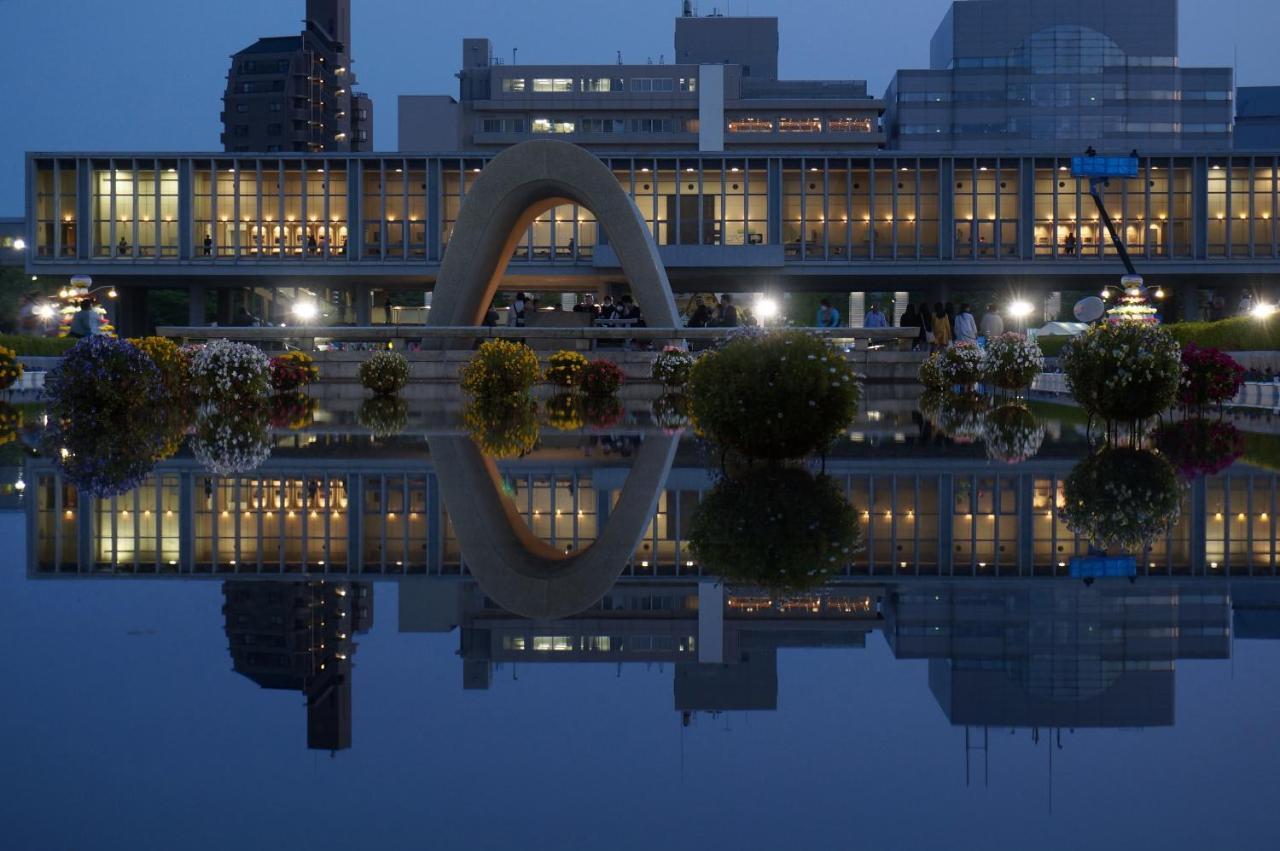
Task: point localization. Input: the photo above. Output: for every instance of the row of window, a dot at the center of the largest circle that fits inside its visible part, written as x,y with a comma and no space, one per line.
1062,94
1022,60
593,85
1049,127
746,124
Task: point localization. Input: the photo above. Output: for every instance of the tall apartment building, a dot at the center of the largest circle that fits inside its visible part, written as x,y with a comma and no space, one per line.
1059,75
295,93
722,93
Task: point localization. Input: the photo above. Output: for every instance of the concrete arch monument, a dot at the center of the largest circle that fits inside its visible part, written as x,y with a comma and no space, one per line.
515,568
516,187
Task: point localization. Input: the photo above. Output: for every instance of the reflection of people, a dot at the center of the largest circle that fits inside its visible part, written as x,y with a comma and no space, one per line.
86,322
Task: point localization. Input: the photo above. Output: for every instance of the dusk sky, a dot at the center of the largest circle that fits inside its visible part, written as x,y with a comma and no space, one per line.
148,75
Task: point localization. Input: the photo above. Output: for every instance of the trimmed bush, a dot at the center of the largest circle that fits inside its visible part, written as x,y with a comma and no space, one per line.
776,527
930,373
963,364
27,346
223,371
1013,361
386,373
778,395
1238,334
565,368
500,368
1209,377
1126,372
672,367
292,371
602,378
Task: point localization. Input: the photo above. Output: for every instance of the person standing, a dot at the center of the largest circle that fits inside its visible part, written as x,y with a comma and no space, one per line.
966,329
86,322
727,315
950,311
874,318
828,316
911,319
701,315
941,328
925,340
992,323
516,315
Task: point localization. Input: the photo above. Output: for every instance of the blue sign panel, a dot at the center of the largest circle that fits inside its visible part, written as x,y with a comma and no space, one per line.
1104,166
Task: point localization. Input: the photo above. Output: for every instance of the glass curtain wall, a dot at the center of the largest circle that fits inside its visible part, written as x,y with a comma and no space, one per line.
1242,204
986,208
135,208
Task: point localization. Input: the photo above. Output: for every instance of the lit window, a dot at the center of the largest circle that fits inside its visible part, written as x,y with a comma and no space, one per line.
849,125
750,125
552,125
552,84
513,84
788,124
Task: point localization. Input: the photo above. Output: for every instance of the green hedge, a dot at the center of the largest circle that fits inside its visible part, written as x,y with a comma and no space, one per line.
1238,334
24,345
1262,450
1051,344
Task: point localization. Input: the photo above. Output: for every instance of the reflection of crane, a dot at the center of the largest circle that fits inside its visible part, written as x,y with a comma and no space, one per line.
1099,171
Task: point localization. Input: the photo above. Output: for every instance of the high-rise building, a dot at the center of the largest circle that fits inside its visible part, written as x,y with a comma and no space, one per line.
1059,75
295,93
1257,117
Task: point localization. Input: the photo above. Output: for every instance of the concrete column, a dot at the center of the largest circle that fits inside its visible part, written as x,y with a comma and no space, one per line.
1027,210
857,310
86,509
131,312
775,202
946,209
227,305
434,217
195,304
361,296
1189,301
711,108
711,622
186,210
1200,208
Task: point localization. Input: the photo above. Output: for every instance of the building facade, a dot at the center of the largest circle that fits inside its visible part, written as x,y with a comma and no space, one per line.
296,93
1059,75
1257,117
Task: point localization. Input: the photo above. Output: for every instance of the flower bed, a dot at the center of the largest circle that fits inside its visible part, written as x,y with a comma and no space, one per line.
602,378
783,394
1209,377
224,370
385,373
1122,498
776,527
672,367
1013,361
292,371
565,368
1126,372
500,368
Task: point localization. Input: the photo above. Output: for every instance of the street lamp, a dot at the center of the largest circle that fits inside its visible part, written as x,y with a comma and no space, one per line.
19,244
766,309
1262,310
306,310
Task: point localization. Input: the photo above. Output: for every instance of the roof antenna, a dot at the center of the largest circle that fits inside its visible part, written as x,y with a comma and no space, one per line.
513,55
619,57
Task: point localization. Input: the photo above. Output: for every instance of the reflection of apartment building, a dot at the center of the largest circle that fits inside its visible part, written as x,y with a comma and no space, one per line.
300,636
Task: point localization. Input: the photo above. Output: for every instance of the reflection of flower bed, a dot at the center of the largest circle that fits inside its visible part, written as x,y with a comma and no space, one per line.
231,440
1198,447
10,369
778,395
671,411
777,527
963,416
564,412
507,428
384,416
1125,373
10,423
104,432
293,370
1012,434
1122,498
293,410
602,412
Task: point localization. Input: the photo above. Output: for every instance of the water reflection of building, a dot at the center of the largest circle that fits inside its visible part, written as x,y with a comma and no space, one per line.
923,515
300,636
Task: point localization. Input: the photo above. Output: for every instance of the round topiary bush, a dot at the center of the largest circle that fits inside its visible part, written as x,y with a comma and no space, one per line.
1209,377
565,368
225,371
386,373
292,371
776,527
1122,498
779,395
503,428
963,364
104,433
384,416
930,373
1124,372
500,368
602,378
10,369
1013,361
672,367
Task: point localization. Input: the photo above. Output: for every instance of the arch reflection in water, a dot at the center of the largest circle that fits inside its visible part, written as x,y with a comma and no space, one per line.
520,572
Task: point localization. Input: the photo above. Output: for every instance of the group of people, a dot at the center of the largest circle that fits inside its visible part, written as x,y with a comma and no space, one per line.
722,314
942,325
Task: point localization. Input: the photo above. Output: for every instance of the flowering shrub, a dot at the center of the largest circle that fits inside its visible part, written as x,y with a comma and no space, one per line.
503,428
1199,447
1125,373
10,369
1012,434
602,378
564,412
174,363
386,373
565,368
500,368
103,431
384,416
224,370
602,412
1122,498
1209,377
293,370
931,372
292,411
672,367
1013,361
231,440
670,412
779,395
964,363
776,527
